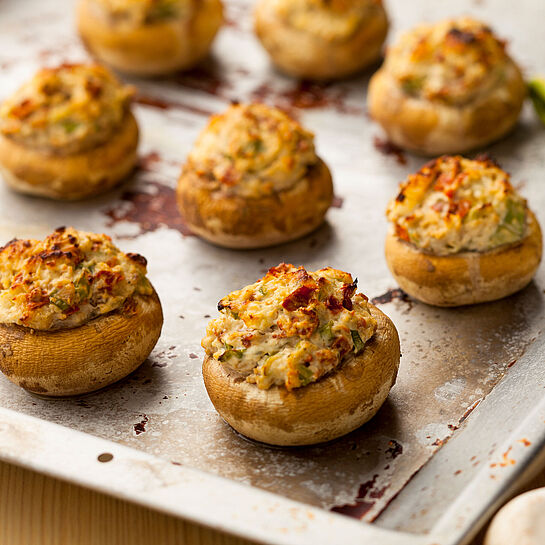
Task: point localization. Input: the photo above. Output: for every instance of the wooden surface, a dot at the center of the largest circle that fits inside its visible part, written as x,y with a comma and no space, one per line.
39,510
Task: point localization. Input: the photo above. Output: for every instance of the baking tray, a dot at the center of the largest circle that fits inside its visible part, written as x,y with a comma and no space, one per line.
467,415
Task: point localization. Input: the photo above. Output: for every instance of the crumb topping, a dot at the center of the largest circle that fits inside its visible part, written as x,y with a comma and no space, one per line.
67,279
252,150
66,109
290,328
330,20
454,204
452,61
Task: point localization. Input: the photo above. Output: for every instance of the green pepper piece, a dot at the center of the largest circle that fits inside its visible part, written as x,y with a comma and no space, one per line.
358,343
412,86
63,305
230,352
512,226
326,332
82,288
305,375
69,125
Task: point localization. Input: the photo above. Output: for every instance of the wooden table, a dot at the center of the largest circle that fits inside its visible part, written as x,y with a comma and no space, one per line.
40,510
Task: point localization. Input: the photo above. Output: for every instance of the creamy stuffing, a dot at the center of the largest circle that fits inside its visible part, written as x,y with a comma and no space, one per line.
67,279
453,61
291,327
252,150
331,20
66,109
455,204
136,13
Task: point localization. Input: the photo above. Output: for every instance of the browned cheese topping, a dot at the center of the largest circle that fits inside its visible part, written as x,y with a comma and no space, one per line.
454,204
67,279
67,109
290,328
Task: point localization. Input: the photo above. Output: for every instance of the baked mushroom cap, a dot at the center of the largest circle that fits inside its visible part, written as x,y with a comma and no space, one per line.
447,88
68,133
461,234
76,314
149,38
318,39
300,376
253,180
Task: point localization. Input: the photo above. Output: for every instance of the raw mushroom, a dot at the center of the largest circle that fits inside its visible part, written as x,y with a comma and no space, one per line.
520,522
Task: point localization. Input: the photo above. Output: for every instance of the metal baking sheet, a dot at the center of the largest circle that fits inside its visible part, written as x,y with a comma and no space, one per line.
467,414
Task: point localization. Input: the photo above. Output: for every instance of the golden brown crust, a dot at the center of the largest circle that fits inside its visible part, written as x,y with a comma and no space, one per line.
321,411
154,49
466,278
432,128
238,222
80,360
73,176
305,55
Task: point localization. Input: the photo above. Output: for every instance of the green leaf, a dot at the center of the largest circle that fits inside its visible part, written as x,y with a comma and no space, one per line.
358,343
536,89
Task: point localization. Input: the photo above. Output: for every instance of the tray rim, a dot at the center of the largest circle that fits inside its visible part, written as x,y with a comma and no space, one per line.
197,496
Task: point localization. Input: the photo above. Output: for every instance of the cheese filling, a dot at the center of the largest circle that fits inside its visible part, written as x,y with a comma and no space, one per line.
330,20
453,61
455,204
290,328
67,279
252,150
138,13
66,109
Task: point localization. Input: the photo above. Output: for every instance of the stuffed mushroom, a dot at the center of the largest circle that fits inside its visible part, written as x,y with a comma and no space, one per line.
149,37
253,179
76,313
447,87
68,133
321,39
461,234
299,357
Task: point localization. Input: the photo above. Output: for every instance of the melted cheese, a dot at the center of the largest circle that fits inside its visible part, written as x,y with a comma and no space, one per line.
252,150
66,280
452,61
66,109
454,204
291,327
331,20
